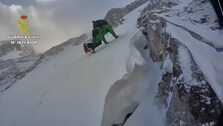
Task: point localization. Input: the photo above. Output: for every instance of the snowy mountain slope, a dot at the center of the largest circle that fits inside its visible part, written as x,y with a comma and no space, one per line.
204,55
70,88
209,60
13,51
115,15
14,69
128,93
186,33
147,113
199,17
11,55
8,51
120,84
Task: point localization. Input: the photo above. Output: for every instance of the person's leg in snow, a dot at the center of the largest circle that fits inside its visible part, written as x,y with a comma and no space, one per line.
94,40
97,35
101,35
95,44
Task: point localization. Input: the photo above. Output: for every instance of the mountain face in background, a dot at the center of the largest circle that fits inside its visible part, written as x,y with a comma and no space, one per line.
13,51
115,15
165,69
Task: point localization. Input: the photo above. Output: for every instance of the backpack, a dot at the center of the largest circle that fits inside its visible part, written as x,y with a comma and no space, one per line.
99,23
95,32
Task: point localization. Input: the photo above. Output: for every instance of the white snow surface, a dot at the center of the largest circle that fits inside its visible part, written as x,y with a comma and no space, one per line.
147,113
69,89
182,4
167,65
207,53
207,58
185,64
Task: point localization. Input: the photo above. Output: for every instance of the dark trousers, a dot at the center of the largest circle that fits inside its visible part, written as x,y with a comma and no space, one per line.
220,120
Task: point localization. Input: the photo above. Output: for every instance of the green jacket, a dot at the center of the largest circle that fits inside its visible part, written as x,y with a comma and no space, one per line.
101,31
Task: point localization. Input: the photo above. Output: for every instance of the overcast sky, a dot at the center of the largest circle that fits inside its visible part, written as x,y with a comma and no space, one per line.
54,20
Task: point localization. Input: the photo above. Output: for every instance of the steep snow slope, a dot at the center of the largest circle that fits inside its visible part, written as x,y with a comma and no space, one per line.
135,88
69,89
147,113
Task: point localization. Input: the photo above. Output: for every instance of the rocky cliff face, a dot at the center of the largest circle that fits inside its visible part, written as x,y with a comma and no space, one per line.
115,15
183,91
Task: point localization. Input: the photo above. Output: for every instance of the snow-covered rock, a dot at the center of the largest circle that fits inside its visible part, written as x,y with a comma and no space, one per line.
185,33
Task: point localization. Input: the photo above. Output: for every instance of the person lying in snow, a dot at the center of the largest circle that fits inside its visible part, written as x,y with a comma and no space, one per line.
100,28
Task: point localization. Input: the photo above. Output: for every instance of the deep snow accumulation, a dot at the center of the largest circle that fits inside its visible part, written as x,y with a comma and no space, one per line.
168,73
73,89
